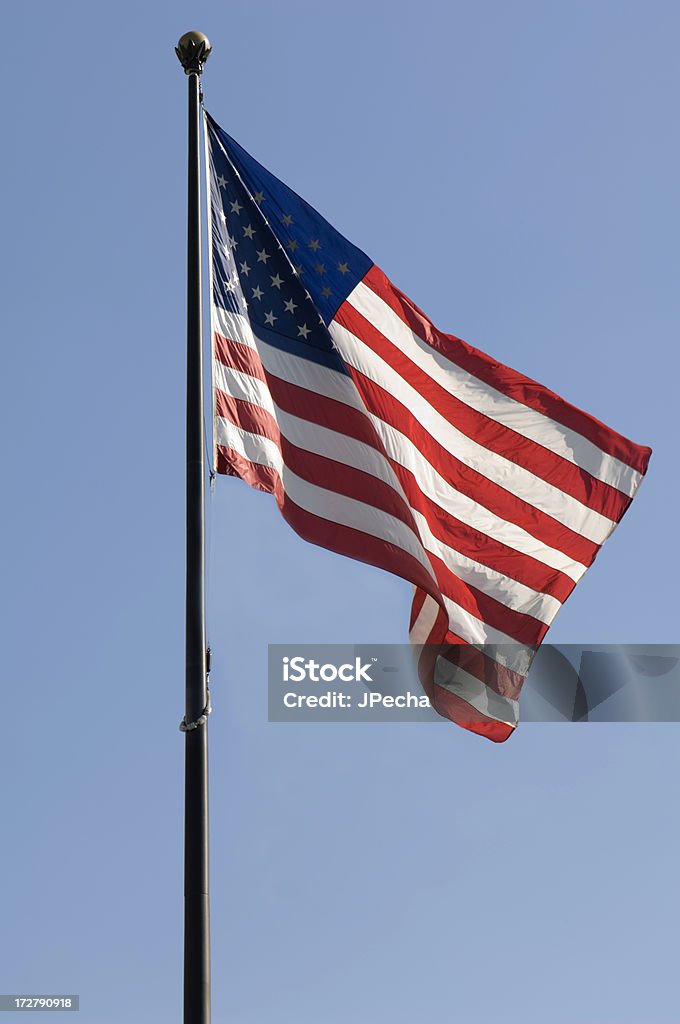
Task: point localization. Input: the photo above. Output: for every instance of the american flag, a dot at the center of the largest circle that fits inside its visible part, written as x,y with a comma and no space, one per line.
386,440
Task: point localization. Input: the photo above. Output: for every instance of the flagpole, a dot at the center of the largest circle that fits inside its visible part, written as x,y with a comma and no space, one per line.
193,50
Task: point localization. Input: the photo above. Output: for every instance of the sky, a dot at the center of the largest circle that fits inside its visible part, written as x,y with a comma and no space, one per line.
513,168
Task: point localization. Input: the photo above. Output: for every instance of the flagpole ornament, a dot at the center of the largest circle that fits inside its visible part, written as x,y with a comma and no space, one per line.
193,50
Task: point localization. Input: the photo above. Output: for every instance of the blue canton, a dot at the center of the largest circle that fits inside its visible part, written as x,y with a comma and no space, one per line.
275,259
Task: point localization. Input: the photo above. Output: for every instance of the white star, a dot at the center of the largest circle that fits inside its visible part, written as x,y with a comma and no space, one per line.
314,245
290,306
287,219
236,207
248,232
326,292
343,268
229,284
222,181
304,331
257,293
262,256
259,197
245,269
269,318
320,268
292,245
277,282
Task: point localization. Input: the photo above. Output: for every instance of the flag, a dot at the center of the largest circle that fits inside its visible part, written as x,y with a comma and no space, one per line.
385,440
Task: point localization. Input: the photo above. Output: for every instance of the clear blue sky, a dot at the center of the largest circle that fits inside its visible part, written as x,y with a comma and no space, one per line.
513,167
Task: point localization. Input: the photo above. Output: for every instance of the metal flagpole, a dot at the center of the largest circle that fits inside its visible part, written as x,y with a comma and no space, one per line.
193,50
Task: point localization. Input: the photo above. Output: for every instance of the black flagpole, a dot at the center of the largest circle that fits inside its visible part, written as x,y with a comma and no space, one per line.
193,50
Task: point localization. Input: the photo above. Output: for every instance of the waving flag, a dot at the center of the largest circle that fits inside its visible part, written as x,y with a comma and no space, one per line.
386,440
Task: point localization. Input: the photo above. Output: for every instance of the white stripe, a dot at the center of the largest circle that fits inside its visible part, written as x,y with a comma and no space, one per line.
479,395
253,447
244,387
234,326
515,479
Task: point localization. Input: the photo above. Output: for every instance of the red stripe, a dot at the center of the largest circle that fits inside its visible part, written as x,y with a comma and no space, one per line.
248,416
450,706
327,412
232,463
416,607
489,433
505,380
238,356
